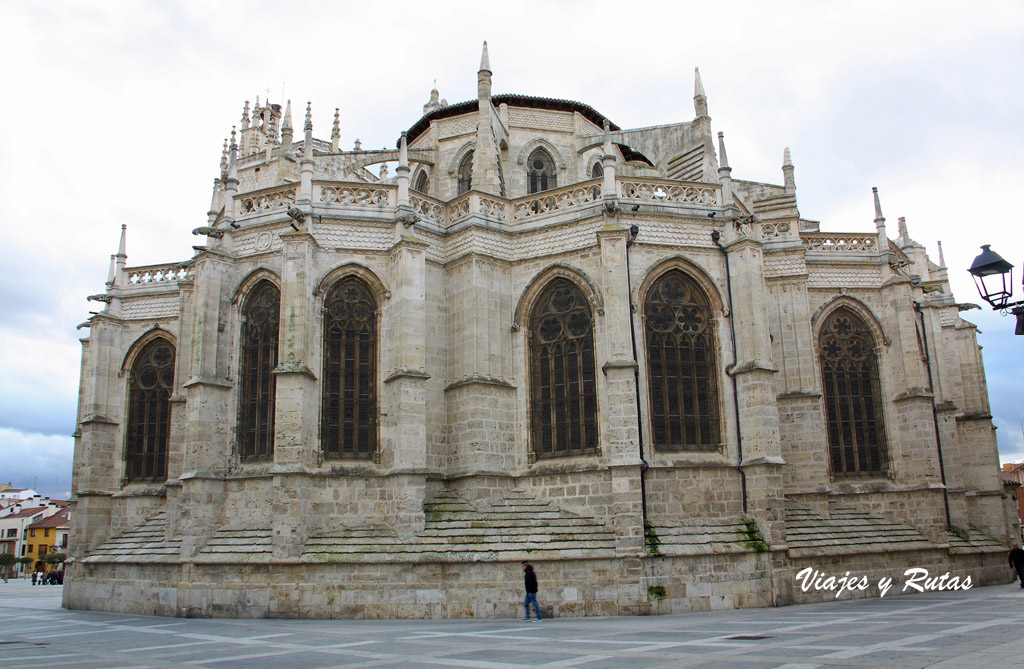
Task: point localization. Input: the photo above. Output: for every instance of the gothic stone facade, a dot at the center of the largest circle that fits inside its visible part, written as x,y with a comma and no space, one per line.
545,338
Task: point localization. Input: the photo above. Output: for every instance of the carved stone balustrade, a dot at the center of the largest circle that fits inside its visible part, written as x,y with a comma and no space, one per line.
371,196
158,274
556,200
665,191
265,201
862,244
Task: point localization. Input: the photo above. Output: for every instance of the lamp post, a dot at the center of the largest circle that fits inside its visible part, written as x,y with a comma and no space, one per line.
997,292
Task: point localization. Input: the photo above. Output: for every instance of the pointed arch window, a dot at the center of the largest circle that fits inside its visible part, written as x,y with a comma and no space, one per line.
681,366
465,173
149,412
422,182
261,316
852,395
349,411
597,170
563,387
540,171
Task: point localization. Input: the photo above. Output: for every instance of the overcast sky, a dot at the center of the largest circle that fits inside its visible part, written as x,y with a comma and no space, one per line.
115,112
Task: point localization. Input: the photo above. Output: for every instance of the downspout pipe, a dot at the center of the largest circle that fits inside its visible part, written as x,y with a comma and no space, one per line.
716,237
634,230
935,413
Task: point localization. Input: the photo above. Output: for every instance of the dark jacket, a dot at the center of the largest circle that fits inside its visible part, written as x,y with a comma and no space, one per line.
1017,558
530,579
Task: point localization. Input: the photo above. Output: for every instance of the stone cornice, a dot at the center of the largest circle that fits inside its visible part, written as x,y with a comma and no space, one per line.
407,373
477,379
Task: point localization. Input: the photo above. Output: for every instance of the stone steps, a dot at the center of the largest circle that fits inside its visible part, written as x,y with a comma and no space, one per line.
144,542
846,531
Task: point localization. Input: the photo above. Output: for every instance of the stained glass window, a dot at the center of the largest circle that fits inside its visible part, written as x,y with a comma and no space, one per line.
681,366
562,383
850,388
149,412
349,412
261,319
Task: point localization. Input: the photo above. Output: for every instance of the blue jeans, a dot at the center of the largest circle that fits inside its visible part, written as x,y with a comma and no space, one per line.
531,597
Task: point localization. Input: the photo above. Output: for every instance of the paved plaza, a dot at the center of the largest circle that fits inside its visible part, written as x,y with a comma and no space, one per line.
977,628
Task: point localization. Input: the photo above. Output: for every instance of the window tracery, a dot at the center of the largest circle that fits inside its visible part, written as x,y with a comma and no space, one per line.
540,171
349,410
149,412
597,170
681,365
465,173
422,182
563,387
261,321
852,395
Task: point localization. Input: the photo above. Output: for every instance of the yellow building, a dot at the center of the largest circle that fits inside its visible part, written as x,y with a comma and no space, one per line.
49,535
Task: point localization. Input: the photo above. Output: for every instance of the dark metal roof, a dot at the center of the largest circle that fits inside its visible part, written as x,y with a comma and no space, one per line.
512,100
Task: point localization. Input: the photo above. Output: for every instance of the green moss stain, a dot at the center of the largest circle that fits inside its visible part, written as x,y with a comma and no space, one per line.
751,537
651,541
657,592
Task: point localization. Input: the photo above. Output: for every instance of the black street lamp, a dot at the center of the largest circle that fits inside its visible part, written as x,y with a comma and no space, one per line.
997,292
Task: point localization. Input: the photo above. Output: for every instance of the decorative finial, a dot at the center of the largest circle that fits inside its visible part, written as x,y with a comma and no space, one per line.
485,61
383,171
112,272
336,130
403,151
245,115
724,159
787,171
700,101
286,124
942,258
224,159
122,247
233,143
904,233
309,117
358,146
878,206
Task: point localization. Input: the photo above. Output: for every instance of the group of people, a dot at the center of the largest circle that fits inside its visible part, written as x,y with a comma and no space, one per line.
54,577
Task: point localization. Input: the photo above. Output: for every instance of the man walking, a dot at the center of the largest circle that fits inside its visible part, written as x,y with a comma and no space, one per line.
530,581
1017,562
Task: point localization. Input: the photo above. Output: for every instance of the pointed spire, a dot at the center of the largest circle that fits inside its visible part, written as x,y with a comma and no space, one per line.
307,144
231,182
942,258
485,61
245,115
724,172
287,123
483,77
224,160
787,171
902,226
878,207
700,100
723,159
336,130
122,247
286,130
214,202
112,272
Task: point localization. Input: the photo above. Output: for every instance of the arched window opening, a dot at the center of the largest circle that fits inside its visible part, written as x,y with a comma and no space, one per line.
422,182
260,322
563,387
540,171
852,395
349,411
465,174
597,171
681,366
149,412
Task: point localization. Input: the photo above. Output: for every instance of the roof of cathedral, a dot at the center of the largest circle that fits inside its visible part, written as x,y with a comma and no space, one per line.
513,100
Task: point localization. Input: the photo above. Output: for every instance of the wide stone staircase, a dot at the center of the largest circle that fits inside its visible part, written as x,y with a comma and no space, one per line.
145,542
516,527
704,537
846,531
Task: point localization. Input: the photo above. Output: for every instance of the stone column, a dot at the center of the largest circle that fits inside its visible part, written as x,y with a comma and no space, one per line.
209,423
296,409
753,373
404,393
620,428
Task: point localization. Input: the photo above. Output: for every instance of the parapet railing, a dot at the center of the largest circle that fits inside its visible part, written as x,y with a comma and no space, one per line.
158,273
373,196
666,190
840,243
265,200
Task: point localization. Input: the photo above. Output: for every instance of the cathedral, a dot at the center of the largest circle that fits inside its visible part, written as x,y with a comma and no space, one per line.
543,337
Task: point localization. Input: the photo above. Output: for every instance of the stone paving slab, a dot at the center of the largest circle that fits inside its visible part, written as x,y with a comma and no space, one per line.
976,628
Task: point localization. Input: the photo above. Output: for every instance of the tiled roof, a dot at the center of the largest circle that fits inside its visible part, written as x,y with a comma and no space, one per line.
512,100
27,513
59,519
